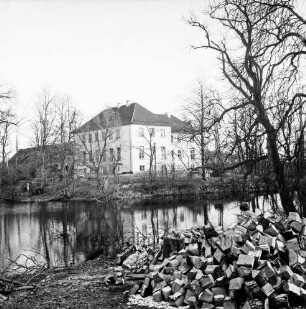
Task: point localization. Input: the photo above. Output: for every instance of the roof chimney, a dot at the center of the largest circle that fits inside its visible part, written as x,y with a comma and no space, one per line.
129,102
167,114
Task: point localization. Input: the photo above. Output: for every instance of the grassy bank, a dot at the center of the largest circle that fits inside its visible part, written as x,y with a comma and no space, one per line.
128,187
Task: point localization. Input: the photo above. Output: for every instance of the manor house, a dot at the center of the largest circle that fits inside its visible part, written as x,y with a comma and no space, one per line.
131,139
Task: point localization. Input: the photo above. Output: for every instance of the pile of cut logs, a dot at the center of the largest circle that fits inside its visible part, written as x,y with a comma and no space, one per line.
257,263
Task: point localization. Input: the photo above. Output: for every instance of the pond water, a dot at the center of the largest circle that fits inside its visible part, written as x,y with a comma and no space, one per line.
63,233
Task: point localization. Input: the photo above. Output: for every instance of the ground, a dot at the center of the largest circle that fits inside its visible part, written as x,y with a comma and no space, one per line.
82,286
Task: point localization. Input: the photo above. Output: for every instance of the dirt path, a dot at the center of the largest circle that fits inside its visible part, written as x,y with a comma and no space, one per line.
80,286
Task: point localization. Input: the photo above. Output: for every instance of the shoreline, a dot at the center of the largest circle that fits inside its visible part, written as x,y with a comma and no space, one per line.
141,191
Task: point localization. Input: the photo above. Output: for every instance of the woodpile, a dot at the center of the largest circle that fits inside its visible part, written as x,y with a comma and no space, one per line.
257,263
8,286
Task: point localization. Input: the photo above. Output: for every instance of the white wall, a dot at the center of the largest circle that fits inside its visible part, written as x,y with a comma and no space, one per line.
158,140
130,143
185,147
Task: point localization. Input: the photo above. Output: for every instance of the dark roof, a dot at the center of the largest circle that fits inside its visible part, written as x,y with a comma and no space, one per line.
130,114
23,155
33,154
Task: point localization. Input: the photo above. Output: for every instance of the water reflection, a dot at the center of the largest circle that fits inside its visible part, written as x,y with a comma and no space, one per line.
61,233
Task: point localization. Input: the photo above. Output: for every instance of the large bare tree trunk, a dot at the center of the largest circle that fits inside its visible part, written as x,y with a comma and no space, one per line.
203,157
278,169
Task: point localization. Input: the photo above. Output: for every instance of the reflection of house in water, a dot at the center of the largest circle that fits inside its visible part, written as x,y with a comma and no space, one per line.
128,225
165,220
104,226
220,209
67,231
181,218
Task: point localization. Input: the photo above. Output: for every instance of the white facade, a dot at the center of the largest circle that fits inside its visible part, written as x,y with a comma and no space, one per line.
136,145
148,145
132,139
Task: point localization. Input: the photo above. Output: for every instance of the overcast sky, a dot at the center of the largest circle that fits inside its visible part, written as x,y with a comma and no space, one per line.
101,52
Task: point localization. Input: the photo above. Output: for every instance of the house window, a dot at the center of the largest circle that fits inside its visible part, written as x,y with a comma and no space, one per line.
84,157
152,132
172,154
171,138
140,132
96,136
141,152
110,135
163,153
141,168
89,137
111,154
97,156
162,133
103,135
83,138
117,133
192,154
144,214
179,154
118,154
90,156
103,155
164,169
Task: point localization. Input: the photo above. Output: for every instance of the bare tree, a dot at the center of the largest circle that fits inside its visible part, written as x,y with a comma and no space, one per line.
295,23
261,68
97,148
149,150
67,120
8,120
199,113
44,127
182,156
202,109
53,127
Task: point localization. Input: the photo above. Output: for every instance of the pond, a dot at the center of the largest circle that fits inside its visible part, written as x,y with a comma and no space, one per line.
63,233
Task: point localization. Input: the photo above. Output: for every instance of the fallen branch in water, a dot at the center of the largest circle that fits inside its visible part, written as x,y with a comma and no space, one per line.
8,286
10,281
31,266
2,297
23,288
